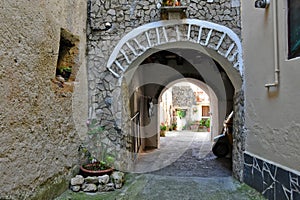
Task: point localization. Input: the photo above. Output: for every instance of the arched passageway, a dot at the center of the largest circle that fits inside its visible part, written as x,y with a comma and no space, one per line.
192,49
156,74
160,71
195,111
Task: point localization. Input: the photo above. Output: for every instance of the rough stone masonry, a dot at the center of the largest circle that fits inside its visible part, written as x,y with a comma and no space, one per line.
122,17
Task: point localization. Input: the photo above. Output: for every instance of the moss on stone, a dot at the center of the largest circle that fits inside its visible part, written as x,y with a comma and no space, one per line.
52,188
133,186
147,186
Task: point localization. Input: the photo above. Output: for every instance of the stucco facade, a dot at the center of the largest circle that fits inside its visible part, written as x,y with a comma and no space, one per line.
40,123
271,115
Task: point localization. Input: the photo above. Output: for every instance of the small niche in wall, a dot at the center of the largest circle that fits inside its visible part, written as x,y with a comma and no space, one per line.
67,62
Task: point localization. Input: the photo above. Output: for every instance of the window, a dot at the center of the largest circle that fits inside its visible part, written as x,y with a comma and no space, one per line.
205,111
293,28
67,63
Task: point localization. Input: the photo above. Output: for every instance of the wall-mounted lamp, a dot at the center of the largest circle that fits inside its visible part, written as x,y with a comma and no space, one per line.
262,3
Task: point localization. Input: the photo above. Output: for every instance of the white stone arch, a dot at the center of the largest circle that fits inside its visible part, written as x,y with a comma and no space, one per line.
217,41
212,37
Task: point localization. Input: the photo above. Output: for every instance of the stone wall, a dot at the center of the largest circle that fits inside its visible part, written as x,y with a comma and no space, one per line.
124,15
183,96
238,136
225,12
39,137
109,21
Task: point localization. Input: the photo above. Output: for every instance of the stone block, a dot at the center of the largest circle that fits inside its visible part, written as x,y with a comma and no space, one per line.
118,179
110,187
106,188
75,188
91,179
103,180
89,188
77,180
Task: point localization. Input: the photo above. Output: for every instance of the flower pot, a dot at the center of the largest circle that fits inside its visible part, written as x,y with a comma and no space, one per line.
87,170
162,133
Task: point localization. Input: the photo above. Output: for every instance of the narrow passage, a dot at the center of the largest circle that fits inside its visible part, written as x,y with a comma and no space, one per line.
186,154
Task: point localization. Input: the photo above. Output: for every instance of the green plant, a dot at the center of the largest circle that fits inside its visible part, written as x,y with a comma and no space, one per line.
103,163
207,123
163,126
181,113
64,69
95,150
202,122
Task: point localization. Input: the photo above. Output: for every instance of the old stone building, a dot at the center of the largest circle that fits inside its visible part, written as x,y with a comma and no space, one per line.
128,65
63,63
41,118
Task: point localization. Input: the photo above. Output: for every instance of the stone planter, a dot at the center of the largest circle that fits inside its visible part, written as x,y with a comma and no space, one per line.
90,172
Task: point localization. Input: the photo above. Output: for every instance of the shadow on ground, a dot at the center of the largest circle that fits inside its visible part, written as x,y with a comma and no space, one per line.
188,166
208,178
196,175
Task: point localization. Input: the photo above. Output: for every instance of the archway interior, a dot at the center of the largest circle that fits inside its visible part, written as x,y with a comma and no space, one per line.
154,75
185,106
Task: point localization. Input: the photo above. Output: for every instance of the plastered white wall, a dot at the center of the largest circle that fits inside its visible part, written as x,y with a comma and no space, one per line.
271,116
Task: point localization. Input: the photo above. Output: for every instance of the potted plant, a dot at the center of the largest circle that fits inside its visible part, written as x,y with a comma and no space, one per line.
171,3
201,125
174,126
168,2
96,167
163,128
98,160
207,124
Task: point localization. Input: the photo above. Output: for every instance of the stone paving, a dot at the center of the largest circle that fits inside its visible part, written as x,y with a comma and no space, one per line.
184,154
183,168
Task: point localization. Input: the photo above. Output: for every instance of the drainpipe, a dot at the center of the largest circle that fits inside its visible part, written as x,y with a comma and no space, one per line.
276,52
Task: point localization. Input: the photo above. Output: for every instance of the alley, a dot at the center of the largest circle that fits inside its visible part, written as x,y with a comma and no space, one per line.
184,154
182,168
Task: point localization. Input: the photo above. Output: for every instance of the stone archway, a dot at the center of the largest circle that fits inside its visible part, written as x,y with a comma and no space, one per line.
206,34
217,41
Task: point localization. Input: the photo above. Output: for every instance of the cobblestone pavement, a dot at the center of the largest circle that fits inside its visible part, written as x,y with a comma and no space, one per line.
184,154
182,168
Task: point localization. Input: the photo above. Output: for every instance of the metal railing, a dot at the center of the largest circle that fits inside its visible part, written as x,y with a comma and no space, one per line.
135,135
